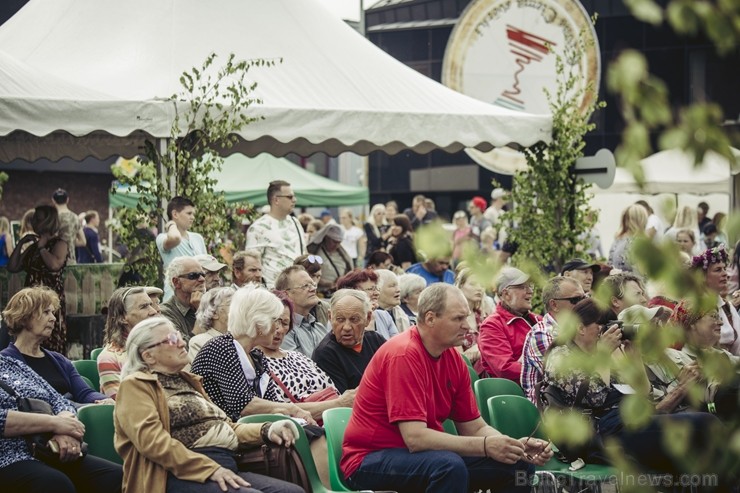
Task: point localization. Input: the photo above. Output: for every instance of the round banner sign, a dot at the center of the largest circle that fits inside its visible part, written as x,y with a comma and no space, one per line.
503,52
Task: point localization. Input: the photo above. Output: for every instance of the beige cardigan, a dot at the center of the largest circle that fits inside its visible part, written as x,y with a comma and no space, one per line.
143,439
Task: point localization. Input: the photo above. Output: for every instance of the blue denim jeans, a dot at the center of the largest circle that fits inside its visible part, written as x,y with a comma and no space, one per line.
437,471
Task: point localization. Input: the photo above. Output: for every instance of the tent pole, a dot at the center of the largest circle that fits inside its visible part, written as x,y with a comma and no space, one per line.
110,234
169,181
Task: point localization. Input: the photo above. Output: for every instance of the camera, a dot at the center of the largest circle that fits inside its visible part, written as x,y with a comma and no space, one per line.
629,331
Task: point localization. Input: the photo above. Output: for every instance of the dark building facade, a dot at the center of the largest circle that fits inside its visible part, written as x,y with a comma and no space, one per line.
416,33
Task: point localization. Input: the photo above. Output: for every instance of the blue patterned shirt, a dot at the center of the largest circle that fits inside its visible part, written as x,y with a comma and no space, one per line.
26,383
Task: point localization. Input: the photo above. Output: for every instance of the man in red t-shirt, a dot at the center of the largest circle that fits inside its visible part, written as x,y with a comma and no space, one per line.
417,380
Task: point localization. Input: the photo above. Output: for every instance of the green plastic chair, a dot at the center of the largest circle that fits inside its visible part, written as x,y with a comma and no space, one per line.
467,360
301,445
473,376
88,368
335,422
485,388
517,417
99,431
95,353
89,383
449,427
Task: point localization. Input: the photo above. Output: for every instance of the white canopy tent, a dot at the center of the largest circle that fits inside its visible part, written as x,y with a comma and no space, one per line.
334,91
673,171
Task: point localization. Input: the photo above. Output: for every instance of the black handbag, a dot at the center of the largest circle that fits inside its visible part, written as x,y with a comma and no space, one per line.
39,443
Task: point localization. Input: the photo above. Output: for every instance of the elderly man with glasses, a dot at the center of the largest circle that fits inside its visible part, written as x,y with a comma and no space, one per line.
502,334
307,331
187,279
559,294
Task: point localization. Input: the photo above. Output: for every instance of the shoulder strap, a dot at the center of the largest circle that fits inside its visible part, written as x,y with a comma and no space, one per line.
282,386
298,230
7,388
581,393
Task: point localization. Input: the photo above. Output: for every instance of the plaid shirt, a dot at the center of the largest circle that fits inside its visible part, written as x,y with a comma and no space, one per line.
535,345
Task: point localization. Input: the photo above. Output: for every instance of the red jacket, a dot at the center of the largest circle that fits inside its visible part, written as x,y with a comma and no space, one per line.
501,341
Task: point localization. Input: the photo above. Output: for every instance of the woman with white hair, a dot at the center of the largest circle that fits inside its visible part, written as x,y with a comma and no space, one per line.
390,299
212,317
411,287
236,372
170,435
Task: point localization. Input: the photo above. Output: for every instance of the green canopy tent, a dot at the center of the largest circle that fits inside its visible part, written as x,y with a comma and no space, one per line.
244,179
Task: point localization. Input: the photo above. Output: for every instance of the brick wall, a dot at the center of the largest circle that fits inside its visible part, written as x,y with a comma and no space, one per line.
27,189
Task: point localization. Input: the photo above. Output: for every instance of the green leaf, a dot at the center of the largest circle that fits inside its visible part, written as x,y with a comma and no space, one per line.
645,10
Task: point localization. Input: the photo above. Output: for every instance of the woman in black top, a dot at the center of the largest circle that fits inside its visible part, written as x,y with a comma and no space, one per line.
401,244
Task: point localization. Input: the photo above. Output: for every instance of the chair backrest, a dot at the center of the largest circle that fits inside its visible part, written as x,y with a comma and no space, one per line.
335,422
99,431
486,388
95,353
466,360
449,427
88,382
301,445
473,375
514,415
88,368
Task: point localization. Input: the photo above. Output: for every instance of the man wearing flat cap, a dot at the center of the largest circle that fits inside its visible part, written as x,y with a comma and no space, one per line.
327,242
502,334
581,271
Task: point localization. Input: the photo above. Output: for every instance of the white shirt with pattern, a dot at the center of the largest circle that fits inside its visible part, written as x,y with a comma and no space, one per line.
279,242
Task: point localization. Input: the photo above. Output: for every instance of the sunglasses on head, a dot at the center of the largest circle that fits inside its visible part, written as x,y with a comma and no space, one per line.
192,275
315,259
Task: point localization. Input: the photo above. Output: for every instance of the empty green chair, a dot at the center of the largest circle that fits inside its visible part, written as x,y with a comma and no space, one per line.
486,388
89,383
517,417
335,422
95,353
301,445
473,375
99,431
88,368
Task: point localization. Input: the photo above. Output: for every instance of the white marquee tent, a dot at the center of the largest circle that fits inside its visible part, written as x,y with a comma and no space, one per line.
333,92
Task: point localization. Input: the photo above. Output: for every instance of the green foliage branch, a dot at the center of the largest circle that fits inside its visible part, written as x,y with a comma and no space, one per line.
210,109
552,216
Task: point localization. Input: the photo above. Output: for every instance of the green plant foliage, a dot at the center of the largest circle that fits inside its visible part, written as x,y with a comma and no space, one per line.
3,180
549,198
209,110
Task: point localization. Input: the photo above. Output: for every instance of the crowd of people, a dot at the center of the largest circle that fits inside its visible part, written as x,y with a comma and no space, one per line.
314,315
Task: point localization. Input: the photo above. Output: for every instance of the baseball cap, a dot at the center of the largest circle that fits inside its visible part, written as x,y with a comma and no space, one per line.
638,314
209,262
325,212
479,202
498,193
579,264
510,276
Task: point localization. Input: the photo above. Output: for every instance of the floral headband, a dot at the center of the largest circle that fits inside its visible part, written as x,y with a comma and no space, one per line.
709,257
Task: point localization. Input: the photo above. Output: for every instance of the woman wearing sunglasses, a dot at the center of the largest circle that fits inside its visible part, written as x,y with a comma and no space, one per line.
170,435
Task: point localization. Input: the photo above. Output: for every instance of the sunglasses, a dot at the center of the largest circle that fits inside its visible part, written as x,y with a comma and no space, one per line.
192,276
315,259
573,300
173,339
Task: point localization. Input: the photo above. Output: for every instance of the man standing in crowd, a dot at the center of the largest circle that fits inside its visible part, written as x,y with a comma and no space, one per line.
418,214
176,240
187,279
277,235
559,295
434,270
417,380
212,269
246,267
581,271
307,332
70,229
502,334
497,205
346,351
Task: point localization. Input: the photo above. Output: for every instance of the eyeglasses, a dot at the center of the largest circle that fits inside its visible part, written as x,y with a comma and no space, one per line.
573,300
372,289
304,287
193,275
290,197
526,287
315,259
173,339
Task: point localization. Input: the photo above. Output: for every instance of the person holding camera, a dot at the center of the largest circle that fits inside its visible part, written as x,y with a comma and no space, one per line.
581,375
